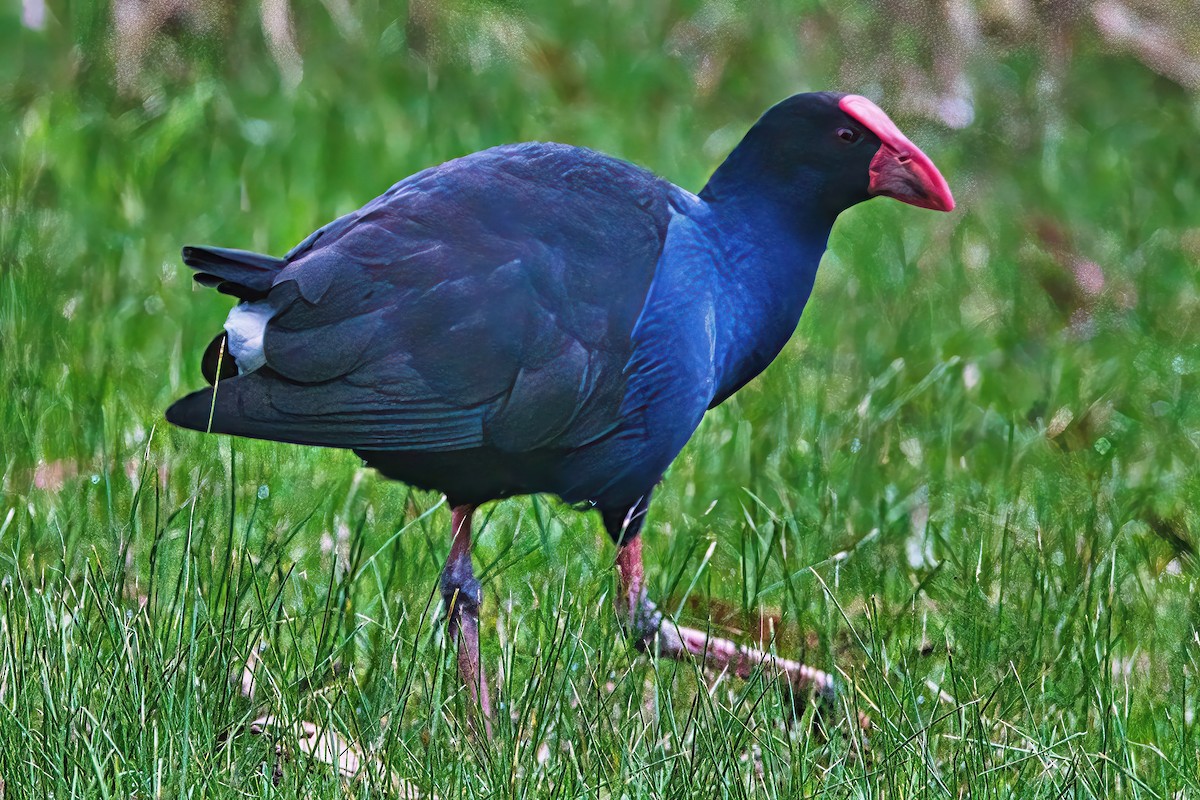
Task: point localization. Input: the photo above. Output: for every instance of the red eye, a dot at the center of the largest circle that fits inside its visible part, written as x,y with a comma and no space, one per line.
849,135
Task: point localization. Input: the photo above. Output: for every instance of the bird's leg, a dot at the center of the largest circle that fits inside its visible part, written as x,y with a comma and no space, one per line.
641,618
656,634
462,595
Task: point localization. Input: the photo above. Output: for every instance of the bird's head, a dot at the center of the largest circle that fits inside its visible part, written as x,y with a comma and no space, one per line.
834,150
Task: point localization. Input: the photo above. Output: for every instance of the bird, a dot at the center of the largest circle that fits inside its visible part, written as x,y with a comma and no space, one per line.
541,318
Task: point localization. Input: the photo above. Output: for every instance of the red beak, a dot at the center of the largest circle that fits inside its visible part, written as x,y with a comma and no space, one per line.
899,170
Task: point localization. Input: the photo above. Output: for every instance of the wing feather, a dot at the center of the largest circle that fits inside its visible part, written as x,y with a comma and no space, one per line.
486,302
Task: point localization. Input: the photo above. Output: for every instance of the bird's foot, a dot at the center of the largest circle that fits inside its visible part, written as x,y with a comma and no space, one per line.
656,634
652,632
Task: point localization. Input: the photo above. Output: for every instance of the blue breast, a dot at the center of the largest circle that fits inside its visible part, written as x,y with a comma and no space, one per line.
727,294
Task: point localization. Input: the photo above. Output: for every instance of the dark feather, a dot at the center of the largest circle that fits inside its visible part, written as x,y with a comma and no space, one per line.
240,273
217,362
445,315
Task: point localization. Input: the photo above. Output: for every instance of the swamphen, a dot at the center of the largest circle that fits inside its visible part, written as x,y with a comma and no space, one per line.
544,318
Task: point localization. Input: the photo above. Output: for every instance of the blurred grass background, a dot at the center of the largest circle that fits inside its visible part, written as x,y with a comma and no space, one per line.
968,485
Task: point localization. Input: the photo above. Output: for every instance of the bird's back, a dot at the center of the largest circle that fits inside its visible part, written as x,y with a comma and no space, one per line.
485,304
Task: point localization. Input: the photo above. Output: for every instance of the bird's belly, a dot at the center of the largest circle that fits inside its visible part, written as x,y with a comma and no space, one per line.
480,474
612,471
470,476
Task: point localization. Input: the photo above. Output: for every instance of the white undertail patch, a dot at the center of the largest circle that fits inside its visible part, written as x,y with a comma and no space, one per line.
244,329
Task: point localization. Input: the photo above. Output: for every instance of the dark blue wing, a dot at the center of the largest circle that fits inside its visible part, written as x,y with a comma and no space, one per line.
486,302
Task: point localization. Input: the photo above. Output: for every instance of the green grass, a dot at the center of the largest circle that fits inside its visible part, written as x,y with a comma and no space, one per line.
968,485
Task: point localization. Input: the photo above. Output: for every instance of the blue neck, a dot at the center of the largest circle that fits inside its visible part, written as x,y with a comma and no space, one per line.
770,254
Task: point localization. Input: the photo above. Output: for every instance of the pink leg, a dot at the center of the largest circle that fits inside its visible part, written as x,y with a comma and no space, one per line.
462,595
654,632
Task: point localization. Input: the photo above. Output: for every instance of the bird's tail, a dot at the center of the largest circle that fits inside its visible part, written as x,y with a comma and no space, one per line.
241,273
